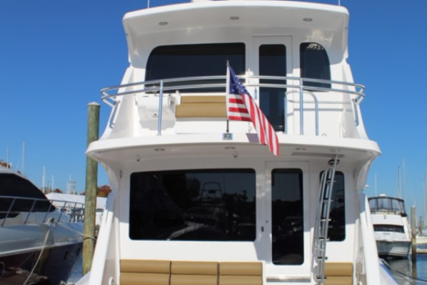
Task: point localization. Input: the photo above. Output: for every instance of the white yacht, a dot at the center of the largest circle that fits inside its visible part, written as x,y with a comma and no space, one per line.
197,199
39,243
391,226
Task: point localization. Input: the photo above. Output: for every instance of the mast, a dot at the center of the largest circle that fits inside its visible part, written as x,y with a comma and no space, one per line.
23,158
43,179
376,184
403,179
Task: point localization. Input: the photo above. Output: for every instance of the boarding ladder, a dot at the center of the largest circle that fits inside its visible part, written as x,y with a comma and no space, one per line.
322,220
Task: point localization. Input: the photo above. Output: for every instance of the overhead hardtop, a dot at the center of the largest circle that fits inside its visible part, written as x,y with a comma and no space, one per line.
319,20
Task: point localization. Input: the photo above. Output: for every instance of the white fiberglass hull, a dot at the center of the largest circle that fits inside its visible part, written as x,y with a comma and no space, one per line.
388,248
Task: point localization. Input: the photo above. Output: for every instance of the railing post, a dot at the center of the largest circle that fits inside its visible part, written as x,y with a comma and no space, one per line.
285,114
159,122
301,106
32,207
8,211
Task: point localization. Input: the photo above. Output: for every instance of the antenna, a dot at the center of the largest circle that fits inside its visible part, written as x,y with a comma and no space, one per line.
403,178
43,179
23,157
376,184
398,182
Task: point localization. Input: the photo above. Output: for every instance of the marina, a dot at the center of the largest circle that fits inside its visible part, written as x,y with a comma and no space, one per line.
237,142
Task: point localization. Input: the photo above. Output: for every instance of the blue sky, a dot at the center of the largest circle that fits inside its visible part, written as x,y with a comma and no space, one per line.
56,55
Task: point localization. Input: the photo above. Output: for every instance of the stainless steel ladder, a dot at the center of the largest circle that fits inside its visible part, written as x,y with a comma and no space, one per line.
322,220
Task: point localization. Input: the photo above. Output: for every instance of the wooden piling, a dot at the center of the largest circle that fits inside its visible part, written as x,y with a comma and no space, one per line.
413,231
91,189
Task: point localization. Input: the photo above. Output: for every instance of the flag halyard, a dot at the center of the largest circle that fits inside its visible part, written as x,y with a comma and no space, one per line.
241,107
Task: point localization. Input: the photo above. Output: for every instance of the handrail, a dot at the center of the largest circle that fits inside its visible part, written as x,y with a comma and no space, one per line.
110,94
65,207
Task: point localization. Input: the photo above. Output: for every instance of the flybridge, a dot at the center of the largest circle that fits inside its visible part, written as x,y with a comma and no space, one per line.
163,103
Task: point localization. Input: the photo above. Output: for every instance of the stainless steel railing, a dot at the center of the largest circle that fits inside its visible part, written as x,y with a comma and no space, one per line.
296,85
30,206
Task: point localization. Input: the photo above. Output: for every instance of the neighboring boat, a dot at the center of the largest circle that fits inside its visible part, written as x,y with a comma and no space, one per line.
391,226
39,244
197,199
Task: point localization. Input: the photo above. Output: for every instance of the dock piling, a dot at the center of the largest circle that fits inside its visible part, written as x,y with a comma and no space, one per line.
91,189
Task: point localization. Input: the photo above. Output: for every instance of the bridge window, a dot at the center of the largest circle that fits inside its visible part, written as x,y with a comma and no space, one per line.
178,61
200,205
272,62
314,64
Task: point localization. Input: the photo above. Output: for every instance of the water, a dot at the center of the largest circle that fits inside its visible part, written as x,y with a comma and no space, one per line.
403,269
78,272
399,267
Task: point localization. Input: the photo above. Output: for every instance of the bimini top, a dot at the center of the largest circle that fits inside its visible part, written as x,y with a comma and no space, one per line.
386,204
319,22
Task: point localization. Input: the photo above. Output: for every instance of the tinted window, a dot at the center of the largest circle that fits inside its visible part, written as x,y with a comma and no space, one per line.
272,62
217,205
32,199
388,228
177,61
314,63
336,229
287,217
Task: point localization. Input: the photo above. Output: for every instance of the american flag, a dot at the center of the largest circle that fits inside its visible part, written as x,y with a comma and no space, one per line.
241,107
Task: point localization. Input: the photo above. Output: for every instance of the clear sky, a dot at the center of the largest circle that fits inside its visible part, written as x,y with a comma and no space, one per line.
56,55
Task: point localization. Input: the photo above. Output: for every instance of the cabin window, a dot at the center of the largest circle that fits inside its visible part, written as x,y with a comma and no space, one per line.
389,228
314,64
336,228
272,62
196,205
31,199
179,61
287,217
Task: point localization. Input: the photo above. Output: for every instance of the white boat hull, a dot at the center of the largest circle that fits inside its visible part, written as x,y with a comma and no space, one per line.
393,248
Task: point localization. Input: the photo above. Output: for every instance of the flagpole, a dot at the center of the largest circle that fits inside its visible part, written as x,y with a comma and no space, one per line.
227,91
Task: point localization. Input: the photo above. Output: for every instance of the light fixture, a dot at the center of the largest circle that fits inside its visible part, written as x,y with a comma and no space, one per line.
163,23
301,149
230,147
234,18
159,149
308,19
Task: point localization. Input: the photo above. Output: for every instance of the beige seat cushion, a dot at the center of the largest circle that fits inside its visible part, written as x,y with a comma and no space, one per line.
240,268
144,272
194,273
127,278
145,266
240,273
338,269
338,280
201,106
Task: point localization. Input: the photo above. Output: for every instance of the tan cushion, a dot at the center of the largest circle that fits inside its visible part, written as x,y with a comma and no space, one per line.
182,279
194,267
145,266
208,110
338,280
240,268
144,279
240,280
202,99
338,269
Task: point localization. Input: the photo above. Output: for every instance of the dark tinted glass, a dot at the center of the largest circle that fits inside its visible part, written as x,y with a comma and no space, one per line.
336,229
389,228
31,198
272,62
314,63
287,217
177,61
202,205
